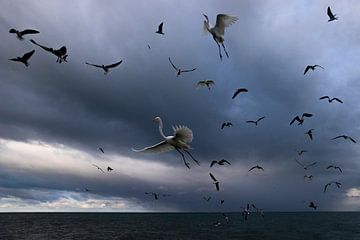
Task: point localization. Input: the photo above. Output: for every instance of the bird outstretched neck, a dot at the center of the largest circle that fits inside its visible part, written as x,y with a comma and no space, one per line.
160,127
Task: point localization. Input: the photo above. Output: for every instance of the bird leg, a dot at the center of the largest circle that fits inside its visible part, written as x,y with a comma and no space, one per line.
225,50
192,157
183,157
219,50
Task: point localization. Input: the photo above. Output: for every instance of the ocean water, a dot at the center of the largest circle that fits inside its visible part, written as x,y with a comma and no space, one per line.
277,226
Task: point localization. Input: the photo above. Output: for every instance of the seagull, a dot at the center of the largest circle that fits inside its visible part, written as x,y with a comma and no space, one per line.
179,141
101,150
216,182
256,122
301,152
335,167
59,53
332,16
308,177
345,137
306,166
178,70
226,124
221,162
218,31
98,168
206,83
259,210
257,167
20,34
332,99
301,120
246,212
160,29
106,68
338,184
24,59
238,91
109,169
156,195
207,198
312,67
312,205
310,134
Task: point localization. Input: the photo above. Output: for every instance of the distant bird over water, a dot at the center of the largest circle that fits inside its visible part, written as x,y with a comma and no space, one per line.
106,68
338,185
20,34
207,83
255,122
330,100
178,70
60,53
160,29
301,120
332,17
344,137
312,67
24,59
222,21
221,162
335,167
312,205
256,167
238,91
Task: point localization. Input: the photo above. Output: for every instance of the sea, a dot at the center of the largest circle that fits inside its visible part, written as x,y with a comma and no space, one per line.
274,226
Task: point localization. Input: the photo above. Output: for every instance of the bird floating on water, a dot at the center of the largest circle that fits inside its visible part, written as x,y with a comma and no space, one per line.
20,34
24,59
106,68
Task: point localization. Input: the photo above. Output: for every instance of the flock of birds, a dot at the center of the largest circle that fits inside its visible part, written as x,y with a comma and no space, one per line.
182,135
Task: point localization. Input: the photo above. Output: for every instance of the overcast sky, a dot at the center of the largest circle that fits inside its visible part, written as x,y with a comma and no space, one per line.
53,117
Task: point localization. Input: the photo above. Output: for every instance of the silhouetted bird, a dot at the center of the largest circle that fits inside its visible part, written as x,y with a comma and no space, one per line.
332,16
312,67
301,120
332,99
160,29
301,152
20,34
312,205
24,59
306,166
148,46
238,91
157,195
335,167
216,182
258,210
106,68
255,122
226,124
207,198
226,218
206,83
222,201
98,168
221,162
310,133
178,70
256,167
308,177
345,137
338,184
59,53
101,150
109,169
246,212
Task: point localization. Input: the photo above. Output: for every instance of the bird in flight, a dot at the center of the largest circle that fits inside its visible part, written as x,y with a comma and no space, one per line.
160,29
216,182
207,198
301,152
109,169
256,122
226,124
301,120
312,67
98,168
101,150
344,137
148,46
222,21
106,68
331,16
310,133
225,217
205,83
60,53
222,201
306,166
181,139
157,195
20,34
24,59
258,210
308,177
256,167
246,212
338,184
238,91
221,162
178,70
312,205
332,99
335,167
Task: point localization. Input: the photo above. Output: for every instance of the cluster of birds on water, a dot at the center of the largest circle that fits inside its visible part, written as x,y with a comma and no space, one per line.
182,135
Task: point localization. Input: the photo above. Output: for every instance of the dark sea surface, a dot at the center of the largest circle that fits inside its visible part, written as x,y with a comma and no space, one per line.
279,226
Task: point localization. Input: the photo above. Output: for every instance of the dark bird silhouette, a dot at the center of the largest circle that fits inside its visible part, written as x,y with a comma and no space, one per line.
98,168
331,100
256,167
301,120
225,217
216,182
344,137
20,34
148,46
24,59
312,67
59,53
308,177
106,68
178,70
301,152
338,184
312,205
157,195
222,201
207,198
306,166
109,169
332,16
101,150
246,212
226,124
310,133
258,210
207,83
221,162
256,122
335,167
238,91
160,29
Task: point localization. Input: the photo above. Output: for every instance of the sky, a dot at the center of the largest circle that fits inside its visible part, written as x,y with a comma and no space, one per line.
53,117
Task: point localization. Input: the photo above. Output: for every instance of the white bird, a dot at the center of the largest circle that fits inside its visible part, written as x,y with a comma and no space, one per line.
218,31
180,141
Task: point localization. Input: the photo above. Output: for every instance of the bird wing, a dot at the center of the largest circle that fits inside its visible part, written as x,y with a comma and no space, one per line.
351,139
212,177
160,27
307,69
326,186
173,64
157,148
98,168
329,13
337,99
223,21
295,119
224,161
338,137
312,164
114,64
183,134
251,169
29,31
210,82
330,166
236,93
260,119
217,186
212,163
188,70
250,121
324,97
201,83
94,65
318,66
223,125
299,163
43,47
28,55
307,115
